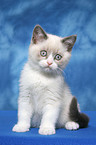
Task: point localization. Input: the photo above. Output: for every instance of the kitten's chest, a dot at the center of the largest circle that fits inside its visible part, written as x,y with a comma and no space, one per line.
40,83
39,86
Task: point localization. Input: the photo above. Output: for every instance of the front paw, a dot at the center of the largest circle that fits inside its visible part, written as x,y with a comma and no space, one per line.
20,128
47,130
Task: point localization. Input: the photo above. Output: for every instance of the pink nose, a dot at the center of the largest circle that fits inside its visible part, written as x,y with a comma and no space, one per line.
49,63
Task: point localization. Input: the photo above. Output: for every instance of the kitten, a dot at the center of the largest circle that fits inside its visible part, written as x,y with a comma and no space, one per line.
45,100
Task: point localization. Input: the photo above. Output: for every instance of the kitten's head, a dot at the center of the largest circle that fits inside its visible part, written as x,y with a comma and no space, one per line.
49,53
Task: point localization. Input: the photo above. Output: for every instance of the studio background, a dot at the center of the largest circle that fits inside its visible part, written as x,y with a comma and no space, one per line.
59,17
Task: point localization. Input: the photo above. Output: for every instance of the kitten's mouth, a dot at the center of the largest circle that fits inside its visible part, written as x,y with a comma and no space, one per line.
48,69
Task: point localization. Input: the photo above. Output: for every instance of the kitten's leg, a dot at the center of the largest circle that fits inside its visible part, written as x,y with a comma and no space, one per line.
49,119
24,115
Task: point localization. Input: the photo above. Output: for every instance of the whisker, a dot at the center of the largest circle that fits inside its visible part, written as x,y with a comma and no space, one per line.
65,74
62,71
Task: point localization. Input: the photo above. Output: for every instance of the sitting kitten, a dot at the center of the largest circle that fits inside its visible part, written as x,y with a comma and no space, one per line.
45,100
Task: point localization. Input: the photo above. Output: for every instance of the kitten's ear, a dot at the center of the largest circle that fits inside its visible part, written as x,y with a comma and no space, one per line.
38,34
69,41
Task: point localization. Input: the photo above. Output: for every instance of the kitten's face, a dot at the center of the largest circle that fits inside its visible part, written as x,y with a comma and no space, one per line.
48,52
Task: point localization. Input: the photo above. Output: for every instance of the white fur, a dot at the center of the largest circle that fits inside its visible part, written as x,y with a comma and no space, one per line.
44,97
71,125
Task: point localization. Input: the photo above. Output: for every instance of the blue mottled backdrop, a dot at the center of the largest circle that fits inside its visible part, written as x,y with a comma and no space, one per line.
59,17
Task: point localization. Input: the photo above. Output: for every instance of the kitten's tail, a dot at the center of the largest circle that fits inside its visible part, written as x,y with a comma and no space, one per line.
76,116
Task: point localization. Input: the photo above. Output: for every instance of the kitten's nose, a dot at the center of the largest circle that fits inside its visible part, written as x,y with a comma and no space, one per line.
49,63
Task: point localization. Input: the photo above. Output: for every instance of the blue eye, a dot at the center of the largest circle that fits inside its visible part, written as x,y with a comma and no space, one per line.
43,53
58,57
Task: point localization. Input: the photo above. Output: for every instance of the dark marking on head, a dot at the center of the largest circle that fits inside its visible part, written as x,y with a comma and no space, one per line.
39,34
69,42
77,116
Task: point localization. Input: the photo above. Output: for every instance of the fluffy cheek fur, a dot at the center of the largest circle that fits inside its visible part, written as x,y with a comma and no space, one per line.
64,61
